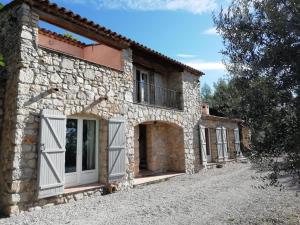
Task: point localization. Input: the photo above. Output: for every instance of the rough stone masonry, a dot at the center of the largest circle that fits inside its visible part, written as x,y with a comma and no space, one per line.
31,73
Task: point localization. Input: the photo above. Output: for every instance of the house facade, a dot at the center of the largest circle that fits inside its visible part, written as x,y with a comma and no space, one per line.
223,139
76,114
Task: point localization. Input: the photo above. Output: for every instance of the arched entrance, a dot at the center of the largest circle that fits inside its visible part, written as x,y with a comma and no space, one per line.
158,148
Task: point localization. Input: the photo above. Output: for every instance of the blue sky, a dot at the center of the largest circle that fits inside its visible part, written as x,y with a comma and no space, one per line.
181,29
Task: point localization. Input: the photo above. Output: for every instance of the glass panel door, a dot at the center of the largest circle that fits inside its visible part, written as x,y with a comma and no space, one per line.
89,145
71,146
144,87
81,159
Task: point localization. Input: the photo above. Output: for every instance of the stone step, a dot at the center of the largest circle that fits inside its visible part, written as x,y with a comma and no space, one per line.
154,179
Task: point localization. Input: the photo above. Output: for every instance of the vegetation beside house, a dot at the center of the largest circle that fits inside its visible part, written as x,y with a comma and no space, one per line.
262,50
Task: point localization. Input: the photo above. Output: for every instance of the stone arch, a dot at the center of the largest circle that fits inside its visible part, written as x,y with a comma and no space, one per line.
148,119
158,147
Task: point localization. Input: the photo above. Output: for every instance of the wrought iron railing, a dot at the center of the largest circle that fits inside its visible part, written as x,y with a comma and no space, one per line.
150,94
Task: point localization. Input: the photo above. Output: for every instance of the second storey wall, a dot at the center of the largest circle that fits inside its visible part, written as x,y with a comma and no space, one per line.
97,53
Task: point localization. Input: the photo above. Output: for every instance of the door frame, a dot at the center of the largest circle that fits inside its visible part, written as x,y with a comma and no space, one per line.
143,146
208,144
89,176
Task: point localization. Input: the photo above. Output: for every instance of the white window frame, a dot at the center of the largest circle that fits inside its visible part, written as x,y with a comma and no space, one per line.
142,90
89,176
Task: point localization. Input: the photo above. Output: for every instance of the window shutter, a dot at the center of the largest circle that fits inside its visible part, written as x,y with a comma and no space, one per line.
237,142
224,138
116,149
203,145
219,143
51,171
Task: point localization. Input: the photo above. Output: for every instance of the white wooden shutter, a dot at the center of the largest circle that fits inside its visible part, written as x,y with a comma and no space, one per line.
51,170
116,149
237,142
219,143
203,145
224,138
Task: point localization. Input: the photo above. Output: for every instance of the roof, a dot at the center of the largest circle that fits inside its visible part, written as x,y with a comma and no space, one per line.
219,118
61,37
45,6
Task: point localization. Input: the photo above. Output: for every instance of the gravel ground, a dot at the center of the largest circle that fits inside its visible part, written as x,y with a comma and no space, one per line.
218,196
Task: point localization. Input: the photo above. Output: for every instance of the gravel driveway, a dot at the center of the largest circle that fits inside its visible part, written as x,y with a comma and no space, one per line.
219,196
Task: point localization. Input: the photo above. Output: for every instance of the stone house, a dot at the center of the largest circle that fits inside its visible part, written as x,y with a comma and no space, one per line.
223,139
88,115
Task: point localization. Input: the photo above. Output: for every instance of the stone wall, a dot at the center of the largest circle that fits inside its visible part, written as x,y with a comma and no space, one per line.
136,166
175,146
230,126
231,143
245,136
103,154
15,29
165,148
2,97
33,74
80,85
192,115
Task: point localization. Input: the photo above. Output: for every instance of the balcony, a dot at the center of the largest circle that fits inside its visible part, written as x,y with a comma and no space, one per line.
150,94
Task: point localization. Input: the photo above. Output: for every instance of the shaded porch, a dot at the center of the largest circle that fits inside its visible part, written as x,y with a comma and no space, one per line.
158,149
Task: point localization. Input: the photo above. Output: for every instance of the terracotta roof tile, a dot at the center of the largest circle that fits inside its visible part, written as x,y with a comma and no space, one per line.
45,4
61,37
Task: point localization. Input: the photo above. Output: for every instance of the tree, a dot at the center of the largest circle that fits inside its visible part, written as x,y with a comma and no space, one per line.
224,101
1,60
206,93
1,56
261,39
70,36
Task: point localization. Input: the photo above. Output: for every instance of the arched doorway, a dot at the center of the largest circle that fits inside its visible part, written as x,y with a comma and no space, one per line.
159,148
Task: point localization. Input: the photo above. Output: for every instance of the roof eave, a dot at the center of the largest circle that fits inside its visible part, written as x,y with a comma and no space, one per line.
51,13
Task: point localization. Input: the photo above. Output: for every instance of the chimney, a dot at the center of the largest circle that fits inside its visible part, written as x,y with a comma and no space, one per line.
205,109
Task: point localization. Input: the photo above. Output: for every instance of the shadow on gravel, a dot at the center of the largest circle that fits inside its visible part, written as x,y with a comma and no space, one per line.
290,183
264,175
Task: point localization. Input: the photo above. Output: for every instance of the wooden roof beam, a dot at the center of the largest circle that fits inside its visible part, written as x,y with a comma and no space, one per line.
79,29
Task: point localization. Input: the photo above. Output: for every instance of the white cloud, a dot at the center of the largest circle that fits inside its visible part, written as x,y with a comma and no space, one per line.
211,31
205,66
193,6
186,56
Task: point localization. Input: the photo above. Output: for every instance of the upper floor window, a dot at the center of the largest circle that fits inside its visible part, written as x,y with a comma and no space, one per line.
154,89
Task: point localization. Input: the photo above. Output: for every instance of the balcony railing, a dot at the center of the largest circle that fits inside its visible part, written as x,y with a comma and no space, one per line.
150,94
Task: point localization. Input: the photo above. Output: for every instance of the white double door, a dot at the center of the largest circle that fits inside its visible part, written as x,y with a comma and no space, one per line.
81,158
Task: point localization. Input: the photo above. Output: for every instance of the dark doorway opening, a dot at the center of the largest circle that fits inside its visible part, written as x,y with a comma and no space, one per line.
143,146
